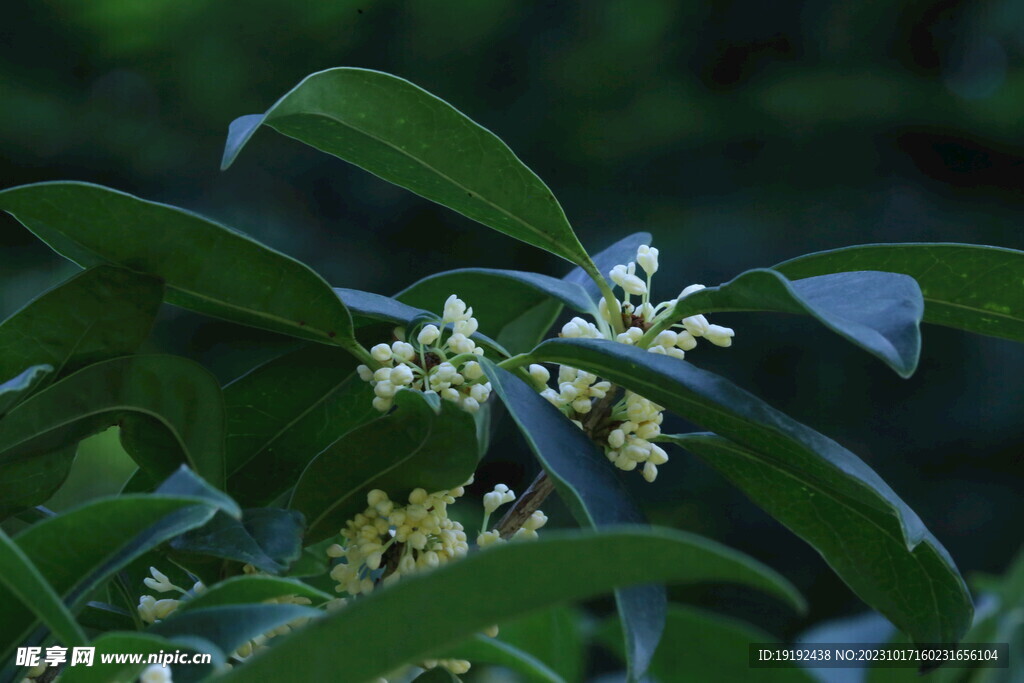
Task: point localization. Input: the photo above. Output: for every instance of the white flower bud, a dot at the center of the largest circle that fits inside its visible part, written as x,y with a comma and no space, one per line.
658,455
428,335
685,341
630,283
677,353
450,394
401,376
488,538
696,325
647,257
616,438
570,330
539,373
403,351
582,405
491,631
472,370
535,521
666,338
480,392
382,404
382,374
719,336
454,309
155,673
470,404
466,327
364,372
568,391
687,291
418,496
650,472
381,352
385,389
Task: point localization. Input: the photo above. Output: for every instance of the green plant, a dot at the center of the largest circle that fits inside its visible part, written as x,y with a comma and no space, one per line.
333,465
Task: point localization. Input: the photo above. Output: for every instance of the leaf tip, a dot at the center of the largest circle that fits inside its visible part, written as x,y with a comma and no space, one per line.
239,132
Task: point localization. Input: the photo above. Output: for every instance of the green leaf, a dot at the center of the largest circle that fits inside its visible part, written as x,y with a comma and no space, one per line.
407,136
75,552
554,636
237,278
176,393
483,650
254,588
230,626
425,443
284,412
503,301
101,313
915,583
101,616
622,251
378,308
117,643
19,576
703,646
595,495
17,388
491,291
269,539
970,287
879,312
375,635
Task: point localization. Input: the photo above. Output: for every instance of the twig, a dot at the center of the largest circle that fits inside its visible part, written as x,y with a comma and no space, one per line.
526,505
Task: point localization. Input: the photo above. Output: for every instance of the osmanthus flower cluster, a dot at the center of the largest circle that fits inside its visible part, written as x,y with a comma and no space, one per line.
441,362
387,542
627,429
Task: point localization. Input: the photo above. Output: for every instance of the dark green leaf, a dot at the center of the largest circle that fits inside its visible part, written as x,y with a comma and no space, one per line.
231,626
100,616
237,278
144,644
268,539
17,388
284,412
177,393
255,588
425,443
479,287
375,635
589,486
99,314
78,550
707,647
24,582
913,581
554,636
503,301
879,312
409,137
622,251
971,287
483,650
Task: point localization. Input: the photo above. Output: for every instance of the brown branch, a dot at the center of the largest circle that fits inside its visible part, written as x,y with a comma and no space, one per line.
526,505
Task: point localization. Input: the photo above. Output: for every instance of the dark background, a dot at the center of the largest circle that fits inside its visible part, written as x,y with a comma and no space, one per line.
739,133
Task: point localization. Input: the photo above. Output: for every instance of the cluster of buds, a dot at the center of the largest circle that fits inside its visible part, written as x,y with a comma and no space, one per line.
577,389
421,531
626,433
387,541
443,362
628,445
152,609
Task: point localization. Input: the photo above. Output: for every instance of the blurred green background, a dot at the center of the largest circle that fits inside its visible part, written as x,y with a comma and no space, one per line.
739,133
